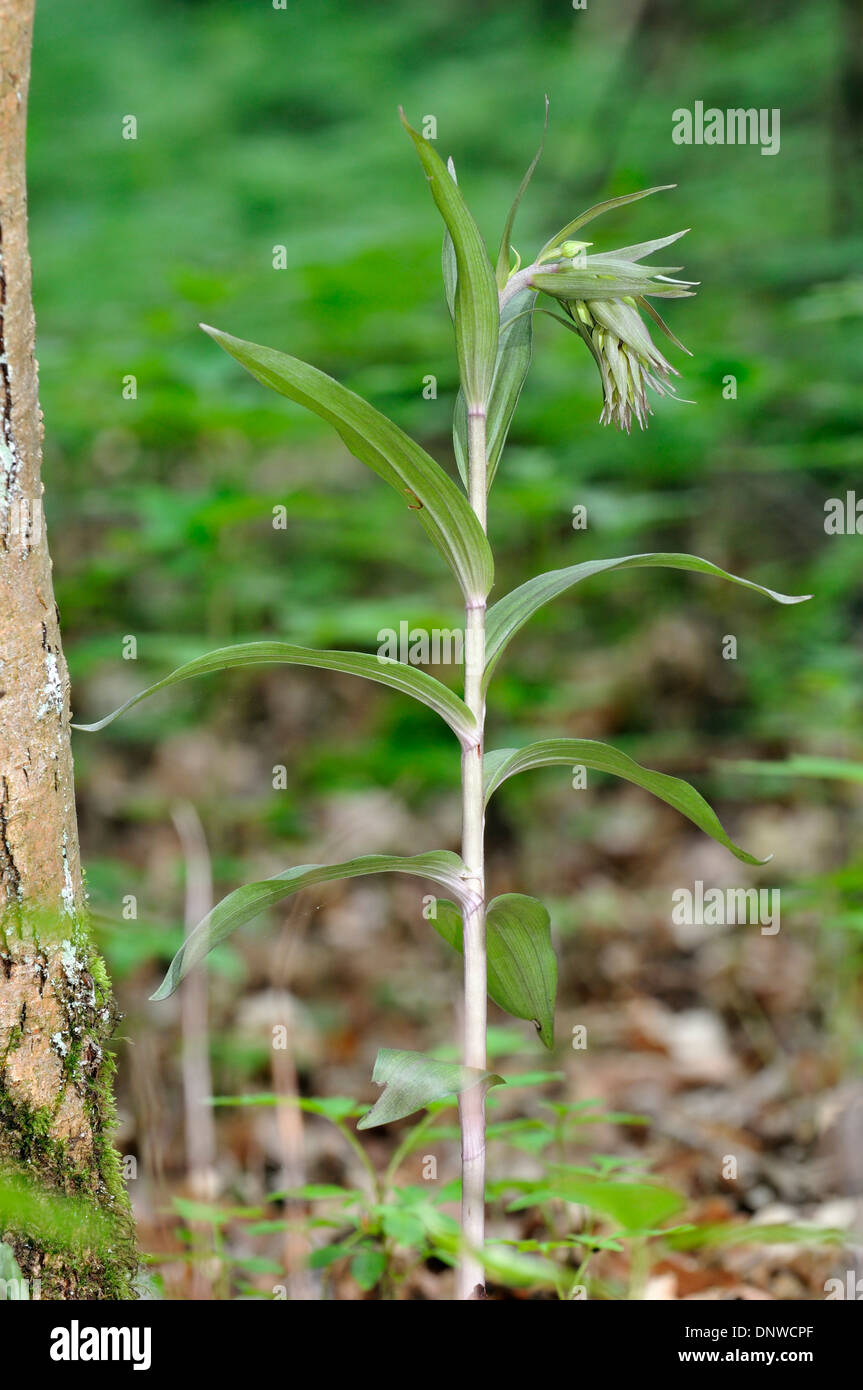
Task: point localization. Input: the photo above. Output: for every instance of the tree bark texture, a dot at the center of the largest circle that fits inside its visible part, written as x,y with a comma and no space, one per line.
56,1009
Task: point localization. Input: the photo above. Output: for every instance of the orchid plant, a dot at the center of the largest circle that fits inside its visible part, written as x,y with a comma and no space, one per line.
505,941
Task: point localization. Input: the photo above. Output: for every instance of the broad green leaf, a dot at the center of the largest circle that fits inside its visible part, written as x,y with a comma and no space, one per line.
327,1255
368,1267
501,763
476,304
522,968
608,206
632,1205
512,611
411,1081
515,347
250,901
395,674
509,1266
504,254
379,443
404,1227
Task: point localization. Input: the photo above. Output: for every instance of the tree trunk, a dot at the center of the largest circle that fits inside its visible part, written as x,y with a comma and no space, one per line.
56,1010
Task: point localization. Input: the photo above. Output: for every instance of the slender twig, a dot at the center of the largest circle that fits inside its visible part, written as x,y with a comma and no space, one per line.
408,1144
374,1184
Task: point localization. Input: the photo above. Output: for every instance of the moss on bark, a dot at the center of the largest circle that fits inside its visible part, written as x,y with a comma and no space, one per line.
57,1016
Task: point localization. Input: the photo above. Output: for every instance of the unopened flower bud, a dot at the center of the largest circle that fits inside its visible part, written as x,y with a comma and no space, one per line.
602,295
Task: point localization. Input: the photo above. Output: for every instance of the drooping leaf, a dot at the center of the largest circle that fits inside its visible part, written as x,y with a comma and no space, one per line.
476,304
632,1205
395,674
411,1081
239,907
522,968
376,441
505,251
608,206
515,347
502,763
512,611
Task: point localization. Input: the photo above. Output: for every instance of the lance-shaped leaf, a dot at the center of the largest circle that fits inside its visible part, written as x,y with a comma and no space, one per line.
504,253
515,347
395,674
646,248
475,306
376,441
608,206
522,968
239,907
411,1081
449,268
512,611
601,278
633,1205
502,763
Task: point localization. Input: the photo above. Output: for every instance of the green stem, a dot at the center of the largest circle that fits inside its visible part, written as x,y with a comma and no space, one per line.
472,1102
410,1142
361,1154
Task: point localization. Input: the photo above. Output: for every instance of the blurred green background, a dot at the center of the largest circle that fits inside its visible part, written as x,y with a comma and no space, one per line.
259,128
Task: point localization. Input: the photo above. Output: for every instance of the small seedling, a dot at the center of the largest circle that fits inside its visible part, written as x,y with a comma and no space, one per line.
505,941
